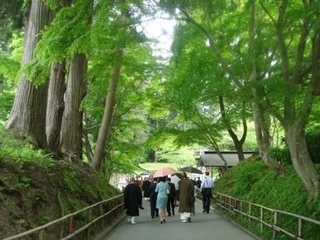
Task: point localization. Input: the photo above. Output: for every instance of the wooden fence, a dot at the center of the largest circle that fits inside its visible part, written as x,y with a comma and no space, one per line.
268,218
70,226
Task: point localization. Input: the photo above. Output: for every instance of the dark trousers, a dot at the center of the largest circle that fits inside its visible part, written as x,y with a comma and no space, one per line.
170,206
206,202
153,209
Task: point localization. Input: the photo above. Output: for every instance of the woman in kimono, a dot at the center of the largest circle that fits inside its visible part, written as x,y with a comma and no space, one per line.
162,189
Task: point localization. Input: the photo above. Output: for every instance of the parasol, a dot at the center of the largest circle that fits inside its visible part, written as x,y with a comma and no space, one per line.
164,172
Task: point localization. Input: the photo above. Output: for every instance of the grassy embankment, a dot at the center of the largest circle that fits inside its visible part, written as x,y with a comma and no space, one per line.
252,181
35,189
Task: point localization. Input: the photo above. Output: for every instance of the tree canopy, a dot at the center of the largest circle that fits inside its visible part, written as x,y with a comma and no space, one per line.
85,85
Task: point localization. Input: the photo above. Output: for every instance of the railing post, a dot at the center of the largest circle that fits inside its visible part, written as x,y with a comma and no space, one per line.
261,219
275,222
101,213
88,220
41,234
300,228
70,225
250,212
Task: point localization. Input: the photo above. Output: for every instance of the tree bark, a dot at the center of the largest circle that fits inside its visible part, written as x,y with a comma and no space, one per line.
71,129
296,115
106,125
55,106
236,142
261,123
263,138
28,113
301,160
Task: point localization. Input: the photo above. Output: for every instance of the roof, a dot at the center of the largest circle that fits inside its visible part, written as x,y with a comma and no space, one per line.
212,159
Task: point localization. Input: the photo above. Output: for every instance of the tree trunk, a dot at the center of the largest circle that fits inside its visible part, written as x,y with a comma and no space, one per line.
55,106
108,114
262,127
263,139
27,116
87,144
301,160
236,142
71,129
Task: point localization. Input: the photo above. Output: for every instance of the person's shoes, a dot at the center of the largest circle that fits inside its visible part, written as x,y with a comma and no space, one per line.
129,220
161,221
184,220
207,212
189,219
133,222
169,214
164,220
203,211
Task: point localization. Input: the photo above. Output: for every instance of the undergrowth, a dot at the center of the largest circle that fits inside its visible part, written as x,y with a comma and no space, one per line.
252,181
36,189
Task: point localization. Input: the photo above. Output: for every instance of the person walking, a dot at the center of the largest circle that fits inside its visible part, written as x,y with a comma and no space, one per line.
198,183
153,198
206,190
185,198
171,197
145,188
132,200
162,189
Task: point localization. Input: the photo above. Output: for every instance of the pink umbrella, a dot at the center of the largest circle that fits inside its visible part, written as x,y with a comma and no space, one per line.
164,172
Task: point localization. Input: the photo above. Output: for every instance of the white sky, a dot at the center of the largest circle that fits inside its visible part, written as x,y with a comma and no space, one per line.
161,31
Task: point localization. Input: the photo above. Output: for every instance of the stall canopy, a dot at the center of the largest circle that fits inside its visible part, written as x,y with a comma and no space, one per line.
212,159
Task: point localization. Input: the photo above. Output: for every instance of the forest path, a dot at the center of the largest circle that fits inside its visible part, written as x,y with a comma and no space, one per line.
203,226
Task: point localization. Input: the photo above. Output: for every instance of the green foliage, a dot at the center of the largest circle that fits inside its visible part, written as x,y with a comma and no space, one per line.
36,186
282,153
6,99
8,69
313,144
20,151
251,180
10,63
11,16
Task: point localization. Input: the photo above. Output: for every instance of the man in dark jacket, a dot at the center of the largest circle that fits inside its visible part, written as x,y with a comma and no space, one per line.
171,197
132,200
153,198
145,188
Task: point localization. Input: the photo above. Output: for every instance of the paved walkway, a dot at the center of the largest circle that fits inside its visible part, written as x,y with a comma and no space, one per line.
202,227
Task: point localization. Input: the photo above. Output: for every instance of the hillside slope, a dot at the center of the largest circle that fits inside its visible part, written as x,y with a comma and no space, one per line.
34,189
253,181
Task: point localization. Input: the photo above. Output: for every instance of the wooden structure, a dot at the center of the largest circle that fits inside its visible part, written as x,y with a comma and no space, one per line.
212,159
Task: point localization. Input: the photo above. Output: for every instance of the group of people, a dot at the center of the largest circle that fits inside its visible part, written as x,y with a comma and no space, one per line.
163,195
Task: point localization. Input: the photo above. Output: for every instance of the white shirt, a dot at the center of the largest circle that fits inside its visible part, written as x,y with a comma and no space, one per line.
207,182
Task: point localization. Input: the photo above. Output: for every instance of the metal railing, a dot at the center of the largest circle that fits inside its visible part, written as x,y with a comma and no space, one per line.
273,219
103,212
